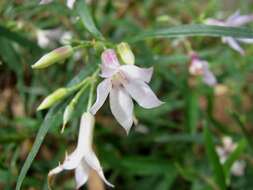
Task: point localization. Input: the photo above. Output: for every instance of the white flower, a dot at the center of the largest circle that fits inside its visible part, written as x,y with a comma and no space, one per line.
200,67
124,82
228,146
235,20
70,3
83,159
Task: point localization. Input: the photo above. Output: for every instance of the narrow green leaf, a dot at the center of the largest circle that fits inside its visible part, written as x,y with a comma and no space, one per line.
241,123
213,158
192,111
233,157
18,38
86,18
193,30
53,118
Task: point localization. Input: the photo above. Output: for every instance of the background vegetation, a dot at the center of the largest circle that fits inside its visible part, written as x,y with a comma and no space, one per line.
172,147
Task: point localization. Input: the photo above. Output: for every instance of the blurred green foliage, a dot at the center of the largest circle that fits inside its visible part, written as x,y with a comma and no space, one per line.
172,147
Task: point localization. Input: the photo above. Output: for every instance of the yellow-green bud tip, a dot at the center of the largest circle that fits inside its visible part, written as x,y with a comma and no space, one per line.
53,98
125,53
53,57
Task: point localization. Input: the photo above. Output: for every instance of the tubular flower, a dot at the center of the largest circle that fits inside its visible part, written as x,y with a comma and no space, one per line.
235,20
122,83
200,67
83,159
70,3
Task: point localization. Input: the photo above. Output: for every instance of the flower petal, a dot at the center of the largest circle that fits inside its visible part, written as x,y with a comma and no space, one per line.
70,3
73,160
103,90
142,94
110,63
93,162
55,171
122,107
245,40
238,20
81,174
233,44
42,2
136,73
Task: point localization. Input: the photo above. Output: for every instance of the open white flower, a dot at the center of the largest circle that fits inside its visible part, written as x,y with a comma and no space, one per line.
235,20
83,159
200,67
70,3
124,82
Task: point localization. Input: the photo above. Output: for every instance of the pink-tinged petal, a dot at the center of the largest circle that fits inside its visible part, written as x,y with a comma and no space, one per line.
142,94
233,44
81,174
103,90
239,20
196,67
209,78
92,161
122,107
215,22
110,63
70,3
42,2
136,73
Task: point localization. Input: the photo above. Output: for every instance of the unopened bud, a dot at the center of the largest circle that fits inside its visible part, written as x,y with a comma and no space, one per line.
53,57
68,112
53,98
109,58
126,53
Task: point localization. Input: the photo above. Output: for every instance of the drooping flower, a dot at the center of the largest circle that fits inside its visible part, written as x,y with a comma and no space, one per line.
122,83
200,67
235,20
83,159
70,3
228,146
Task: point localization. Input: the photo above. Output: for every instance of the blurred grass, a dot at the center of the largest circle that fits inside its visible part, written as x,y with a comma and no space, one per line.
167,150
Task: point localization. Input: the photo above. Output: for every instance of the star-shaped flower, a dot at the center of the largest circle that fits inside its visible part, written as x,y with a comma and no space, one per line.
122,83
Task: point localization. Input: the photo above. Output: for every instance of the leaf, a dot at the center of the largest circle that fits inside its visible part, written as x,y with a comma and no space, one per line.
213,158
53,118
192,110
194,30
18,38
85,15
234,156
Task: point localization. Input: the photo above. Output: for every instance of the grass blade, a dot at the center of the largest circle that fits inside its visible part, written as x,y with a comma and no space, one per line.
86,18
194,30
213,158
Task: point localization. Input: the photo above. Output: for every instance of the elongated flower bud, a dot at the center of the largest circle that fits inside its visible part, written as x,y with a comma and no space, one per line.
53,98
53,57
126,53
